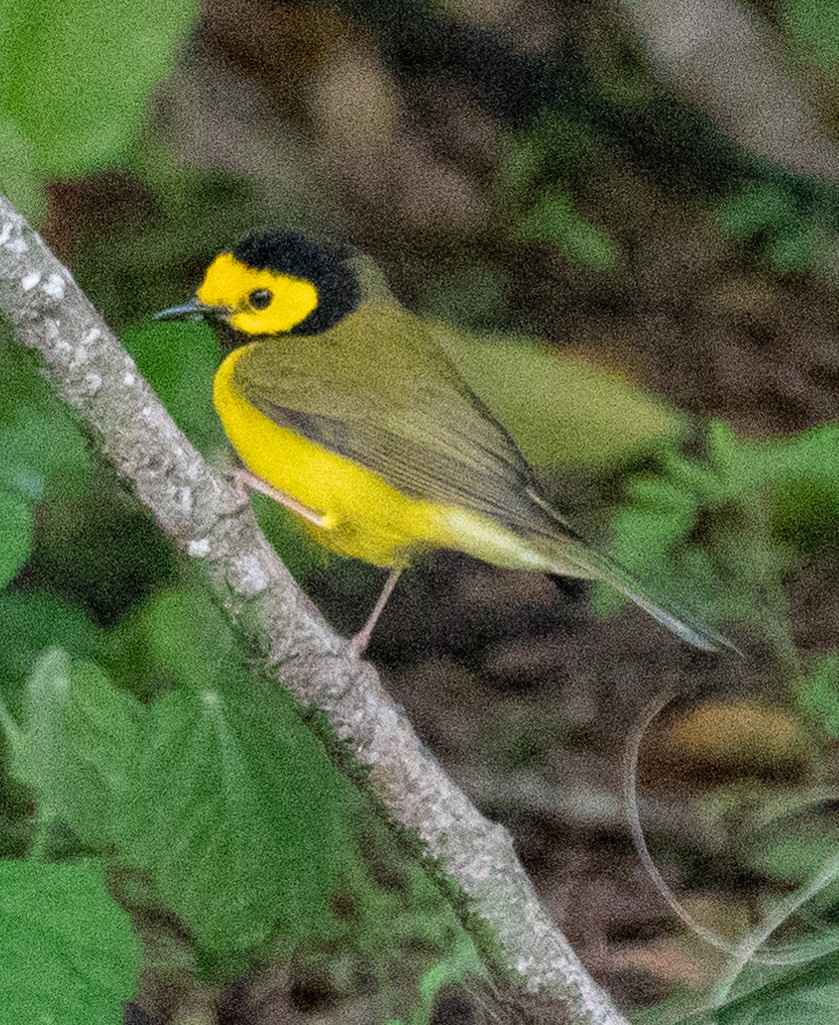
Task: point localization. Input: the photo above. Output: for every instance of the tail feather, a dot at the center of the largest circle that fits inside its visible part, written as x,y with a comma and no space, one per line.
572,556
576,559
694,632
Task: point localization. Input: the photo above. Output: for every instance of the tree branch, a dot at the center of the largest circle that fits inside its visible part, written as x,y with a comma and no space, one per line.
196,505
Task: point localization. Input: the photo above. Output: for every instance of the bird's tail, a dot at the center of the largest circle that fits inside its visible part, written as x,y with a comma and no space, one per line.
572,556
592,564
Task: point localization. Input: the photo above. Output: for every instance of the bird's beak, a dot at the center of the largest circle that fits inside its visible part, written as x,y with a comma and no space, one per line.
192,310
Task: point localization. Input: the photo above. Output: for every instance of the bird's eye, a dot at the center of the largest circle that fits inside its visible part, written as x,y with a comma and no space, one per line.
260,298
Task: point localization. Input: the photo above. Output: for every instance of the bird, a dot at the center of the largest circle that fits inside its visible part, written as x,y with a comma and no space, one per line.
344,407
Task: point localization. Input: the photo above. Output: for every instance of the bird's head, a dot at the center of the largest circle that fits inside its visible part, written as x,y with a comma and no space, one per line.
276,282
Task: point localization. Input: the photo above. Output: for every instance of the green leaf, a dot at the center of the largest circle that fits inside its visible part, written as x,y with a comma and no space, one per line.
786,1011
815,24
559,409
590,245
231,810
41,443
794,250
17,525
728,455
76,743
103,724
807,994
68,952
800,856
758,206
18,174
642,537
552,140
520,165
820,692
463,962
76,76
651,534
642,540
554,220
659,494
34,621
800,476
188,637
180,360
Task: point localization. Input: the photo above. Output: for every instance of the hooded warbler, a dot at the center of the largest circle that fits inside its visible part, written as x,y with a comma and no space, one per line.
344,407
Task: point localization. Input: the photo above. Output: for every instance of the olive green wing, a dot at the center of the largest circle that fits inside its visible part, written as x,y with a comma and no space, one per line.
402,412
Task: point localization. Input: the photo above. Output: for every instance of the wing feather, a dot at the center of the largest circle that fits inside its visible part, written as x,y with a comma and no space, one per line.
401,411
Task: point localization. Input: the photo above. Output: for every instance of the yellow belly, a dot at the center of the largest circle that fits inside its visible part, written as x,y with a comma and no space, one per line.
365,517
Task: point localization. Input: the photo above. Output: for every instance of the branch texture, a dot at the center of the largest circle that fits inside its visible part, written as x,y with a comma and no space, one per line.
197,507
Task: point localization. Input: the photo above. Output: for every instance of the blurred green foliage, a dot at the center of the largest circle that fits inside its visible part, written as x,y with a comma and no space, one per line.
75,82
181,360
729,526
806,994
813,26
820,692
793,228
16,528
532,190
73,952
561,410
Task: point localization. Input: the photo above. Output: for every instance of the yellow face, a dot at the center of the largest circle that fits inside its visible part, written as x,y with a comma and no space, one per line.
260,302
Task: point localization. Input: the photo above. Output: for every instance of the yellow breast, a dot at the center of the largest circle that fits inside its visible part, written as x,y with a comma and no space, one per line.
365,517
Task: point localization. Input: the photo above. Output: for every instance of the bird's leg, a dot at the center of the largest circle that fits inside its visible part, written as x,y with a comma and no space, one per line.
244,479
358,645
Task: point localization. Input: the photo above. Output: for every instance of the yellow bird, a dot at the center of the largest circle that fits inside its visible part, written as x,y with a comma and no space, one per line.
343,407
